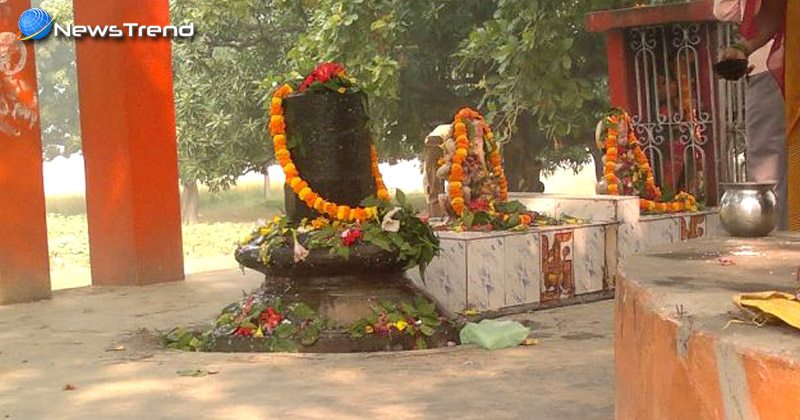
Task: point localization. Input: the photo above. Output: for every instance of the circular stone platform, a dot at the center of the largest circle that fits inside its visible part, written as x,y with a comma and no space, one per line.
675,358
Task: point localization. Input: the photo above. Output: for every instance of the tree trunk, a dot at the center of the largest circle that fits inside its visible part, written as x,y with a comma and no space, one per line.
267,187
598,161
190,202
522,168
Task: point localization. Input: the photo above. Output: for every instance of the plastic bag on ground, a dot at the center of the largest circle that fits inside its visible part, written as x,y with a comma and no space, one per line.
493,335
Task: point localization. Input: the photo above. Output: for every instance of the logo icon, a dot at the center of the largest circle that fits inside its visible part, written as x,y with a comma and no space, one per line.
34,24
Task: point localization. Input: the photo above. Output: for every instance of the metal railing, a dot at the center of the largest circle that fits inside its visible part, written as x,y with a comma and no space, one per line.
690,124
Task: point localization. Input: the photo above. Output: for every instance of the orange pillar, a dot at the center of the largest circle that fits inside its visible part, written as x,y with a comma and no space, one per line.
129,146
24,264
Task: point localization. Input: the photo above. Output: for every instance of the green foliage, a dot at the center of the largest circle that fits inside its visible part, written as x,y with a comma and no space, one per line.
414,243
417,319
219,99
535,59
58,88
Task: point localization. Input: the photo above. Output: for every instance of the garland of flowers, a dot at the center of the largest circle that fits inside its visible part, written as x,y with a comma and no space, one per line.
456,177
277,126
651,197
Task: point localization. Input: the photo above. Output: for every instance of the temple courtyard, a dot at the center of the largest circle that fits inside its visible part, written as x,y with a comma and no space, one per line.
101,342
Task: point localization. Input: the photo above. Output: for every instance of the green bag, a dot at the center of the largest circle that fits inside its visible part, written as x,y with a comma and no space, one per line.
492,335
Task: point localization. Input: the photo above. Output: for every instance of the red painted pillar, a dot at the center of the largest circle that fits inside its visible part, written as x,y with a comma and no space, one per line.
24,264
129,145
619,74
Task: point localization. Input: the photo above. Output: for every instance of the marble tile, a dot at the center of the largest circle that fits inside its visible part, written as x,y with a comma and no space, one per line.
589,259
661,232
693,227
587,209
485,274
627,210
445,278
522,269
713,225
612,256
538,203
557,280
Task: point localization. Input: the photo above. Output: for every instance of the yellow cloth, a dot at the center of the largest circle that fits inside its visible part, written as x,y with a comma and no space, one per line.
792,63
779,305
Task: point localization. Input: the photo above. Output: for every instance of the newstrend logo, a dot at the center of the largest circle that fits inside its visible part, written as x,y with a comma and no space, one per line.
35,24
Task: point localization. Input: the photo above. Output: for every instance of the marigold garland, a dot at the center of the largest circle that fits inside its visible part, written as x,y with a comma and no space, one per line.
456,178
652,201
277,127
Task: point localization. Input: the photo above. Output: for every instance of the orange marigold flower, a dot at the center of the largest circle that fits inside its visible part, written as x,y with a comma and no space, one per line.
319,204
331,209
299,187
495,159
383,194
304,193
460,129
279,141
360,215
458,171
275,109
613,189
282,153
277,125
283,91
295,182
290,169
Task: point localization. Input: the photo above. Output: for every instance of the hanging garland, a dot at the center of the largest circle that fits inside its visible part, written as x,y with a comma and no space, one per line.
456,177
624,157
343,213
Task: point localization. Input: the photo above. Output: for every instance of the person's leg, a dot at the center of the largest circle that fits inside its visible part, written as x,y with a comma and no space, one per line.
766,138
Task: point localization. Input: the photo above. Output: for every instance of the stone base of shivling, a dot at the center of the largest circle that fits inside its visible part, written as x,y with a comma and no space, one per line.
507,272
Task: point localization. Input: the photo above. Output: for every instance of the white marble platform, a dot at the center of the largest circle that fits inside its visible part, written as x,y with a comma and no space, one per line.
497,270
550,266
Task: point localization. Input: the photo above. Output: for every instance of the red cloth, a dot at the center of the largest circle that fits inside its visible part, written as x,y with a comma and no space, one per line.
749,30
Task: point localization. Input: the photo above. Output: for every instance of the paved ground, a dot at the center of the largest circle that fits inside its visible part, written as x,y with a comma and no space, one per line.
45,346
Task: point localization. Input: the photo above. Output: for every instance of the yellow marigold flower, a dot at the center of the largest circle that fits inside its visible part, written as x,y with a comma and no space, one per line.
319,204
343,213
368,329
277,101
304,193
295,182
341,90
401,325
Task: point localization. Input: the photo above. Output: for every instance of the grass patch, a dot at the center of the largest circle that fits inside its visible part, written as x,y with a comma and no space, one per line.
225,218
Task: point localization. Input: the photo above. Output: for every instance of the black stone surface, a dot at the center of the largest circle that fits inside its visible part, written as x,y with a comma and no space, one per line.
364,259
333,148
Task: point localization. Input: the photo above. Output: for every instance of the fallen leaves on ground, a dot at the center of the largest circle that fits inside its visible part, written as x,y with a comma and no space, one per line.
196,373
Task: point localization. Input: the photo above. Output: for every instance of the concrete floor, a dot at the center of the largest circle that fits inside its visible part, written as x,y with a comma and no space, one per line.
47,345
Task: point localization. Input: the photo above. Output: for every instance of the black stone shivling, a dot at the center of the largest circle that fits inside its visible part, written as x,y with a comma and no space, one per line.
331,149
